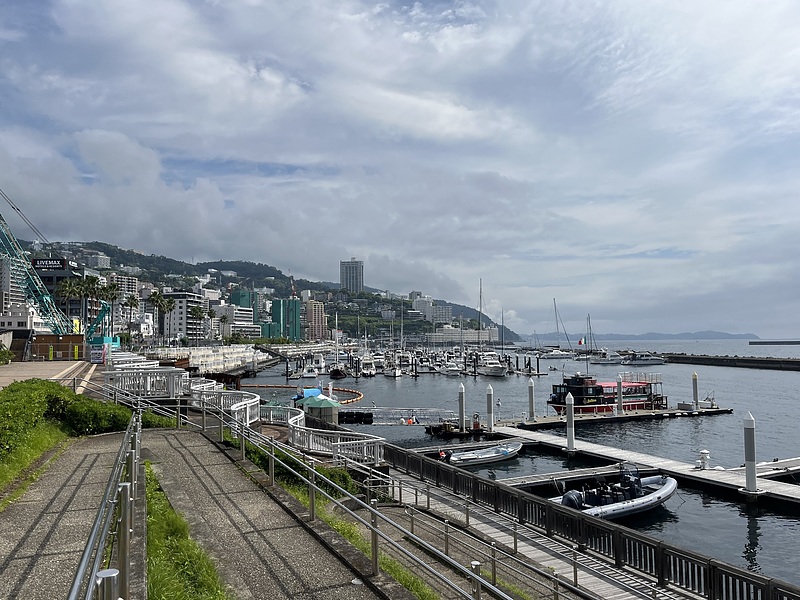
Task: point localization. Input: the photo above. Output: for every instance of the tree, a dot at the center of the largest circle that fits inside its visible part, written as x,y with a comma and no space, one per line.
158,301
67,289
169,306
89,288
223,320
197,313
130,303
110,293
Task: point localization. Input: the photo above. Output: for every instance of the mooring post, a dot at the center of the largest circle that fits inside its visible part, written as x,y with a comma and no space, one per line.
620,409
750,453
462,417
489,408
570,423
531,400
695,396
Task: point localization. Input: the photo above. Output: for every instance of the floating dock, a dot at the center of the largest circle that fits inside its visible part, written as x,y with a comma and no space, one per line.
729,481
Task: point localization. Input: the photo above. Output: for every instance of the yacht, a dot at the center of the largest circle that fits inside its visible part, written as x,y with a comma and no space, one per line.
368,366
643,359
489,364
309,372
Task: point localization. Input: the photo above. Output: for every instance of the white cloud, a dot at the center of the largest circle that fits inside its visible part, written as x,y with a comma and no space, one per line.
636,161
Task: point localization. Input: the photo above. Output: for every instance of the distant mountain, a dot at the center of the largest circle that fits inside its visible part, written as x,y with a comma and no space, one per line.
653,336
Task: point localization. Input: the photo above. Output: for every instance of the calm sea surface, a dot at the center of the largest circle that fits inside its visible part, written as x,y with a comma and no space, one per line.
746,536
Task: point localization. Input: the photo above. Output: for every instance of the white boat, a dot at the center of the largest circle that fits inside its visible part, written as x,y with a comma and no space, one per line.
484,455
318,362
489,364
368,366
556,354
608,357
450,368
631,494
309,372
643,359
392,370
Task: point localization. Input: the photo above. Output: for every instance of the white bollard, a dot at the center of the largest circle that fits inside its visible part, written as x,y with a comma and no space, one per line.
531,400
462,417
695,396
750,453
570,423
489,408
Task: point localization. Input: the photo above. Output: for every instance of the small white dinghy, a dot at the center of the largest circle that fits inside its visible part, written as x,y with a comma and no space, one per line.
483,455
631,494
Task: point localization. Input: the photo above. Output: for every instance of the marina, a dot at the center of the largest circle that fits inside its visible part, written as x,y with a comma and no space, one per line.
750,535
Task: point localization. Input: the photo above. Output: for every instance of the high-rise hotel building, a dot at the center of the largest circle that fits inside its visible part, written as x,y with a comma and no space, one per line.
351,275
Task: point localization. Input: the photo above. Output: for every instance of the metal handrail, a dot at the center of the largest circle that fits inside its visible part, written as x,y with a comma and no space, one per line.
619,545
93,553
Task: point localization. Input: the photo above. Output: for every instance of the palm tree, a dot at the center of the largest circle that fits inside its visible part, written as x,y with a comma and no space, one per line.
223,320
130,303
169,306
157,300
67,289
89,289
110,293
197,312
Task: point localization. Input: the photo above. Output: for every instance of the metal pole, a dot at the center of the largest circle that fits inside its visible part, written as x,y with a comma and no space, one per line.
515,538
466,513
312,494
555,586
272,464
575,565
107,584
619,395
494,564
428,495
203,407
125,530
476,582
221,425
531,399
243,434
446,537
411,518
178,414
374,521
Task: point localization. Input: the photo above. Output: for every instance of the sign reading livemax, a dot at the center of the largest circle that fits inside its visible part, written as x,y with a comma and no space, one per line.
49,264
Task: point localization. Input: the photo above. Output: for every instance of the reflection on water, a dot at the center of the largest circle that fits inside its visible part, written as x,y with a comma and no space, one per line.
750,553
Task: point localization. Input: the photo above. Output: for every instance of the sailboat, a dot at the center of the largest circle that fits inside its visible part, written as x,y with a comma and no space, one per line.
337,370
488,362
556,352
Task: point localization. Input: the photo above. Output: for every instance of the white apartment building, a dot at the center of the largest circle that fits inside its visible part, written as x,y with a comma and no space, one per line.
239,320
179,323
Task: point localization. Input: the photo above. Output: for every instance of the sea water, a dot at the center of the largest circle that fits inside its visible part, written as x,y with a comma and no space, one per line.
744,535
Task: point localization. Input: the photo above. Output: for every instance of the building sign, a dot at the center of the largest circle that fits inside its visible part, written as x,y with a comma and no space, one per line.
49,264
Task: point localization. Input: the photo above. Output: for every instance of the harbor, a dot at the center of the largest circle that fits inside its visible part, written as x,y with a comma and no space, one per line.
725,526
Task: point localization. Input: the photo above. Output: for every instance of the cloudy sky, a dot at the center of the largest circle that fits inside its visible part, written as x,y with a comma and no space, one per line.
636,161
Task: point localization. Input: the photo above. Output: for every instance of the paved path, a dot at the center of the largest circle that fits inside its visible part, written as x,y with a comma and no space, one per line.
261,550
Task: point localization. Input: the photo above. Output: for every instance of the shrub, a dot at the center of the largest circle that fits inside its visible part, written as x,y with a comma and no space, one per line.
88,417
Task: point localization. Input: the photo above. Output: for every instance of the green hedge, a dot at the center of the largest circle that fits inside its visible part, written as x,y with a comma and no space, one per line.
89,417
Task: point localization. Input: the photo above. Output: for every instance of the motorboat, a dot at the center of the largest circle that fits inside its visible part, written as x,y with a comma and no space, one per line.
643,359
368,366
489,364
640,391
606,357
482,456
631,494
309,372
556,354
451,368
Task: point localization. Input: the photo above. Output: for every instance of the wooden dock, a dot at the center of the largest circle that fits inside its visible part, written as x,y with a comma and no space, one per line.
727,481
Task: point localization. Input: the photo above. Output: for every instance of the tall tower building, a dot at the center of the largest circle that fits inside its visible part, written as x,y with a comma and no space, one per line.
351,275
317,323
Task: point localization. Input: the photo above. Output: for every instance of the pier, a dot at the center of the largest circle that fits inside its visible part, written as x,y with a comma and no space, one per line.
746,362
726,482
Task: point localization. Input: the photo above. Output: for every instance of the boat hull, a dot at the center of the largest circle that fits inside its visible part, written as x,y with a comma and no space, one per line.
485,455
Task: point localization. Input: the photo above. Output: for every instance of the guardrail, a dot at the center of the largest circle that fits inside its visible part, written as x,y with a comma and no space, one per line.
114,518
669,565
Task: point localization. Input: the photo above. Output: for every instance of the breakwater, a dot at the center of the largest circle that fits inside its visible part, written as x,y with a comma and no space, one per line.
746,362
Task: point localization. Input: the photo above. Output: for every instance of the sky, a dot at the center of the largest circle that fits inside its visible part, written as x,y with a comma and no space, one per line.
636,162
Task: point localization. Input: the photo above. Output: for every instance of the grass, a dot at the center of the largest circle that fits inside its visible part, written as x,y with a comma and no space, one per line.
18,468
350,531
177,568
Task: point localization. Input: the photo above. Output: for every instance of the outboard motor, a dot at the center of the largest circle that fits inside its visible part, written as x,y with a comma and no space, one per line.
573,499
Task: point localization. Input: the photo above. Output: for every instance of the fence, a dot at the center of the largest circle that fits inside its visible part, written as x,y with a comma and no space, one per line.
669,565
